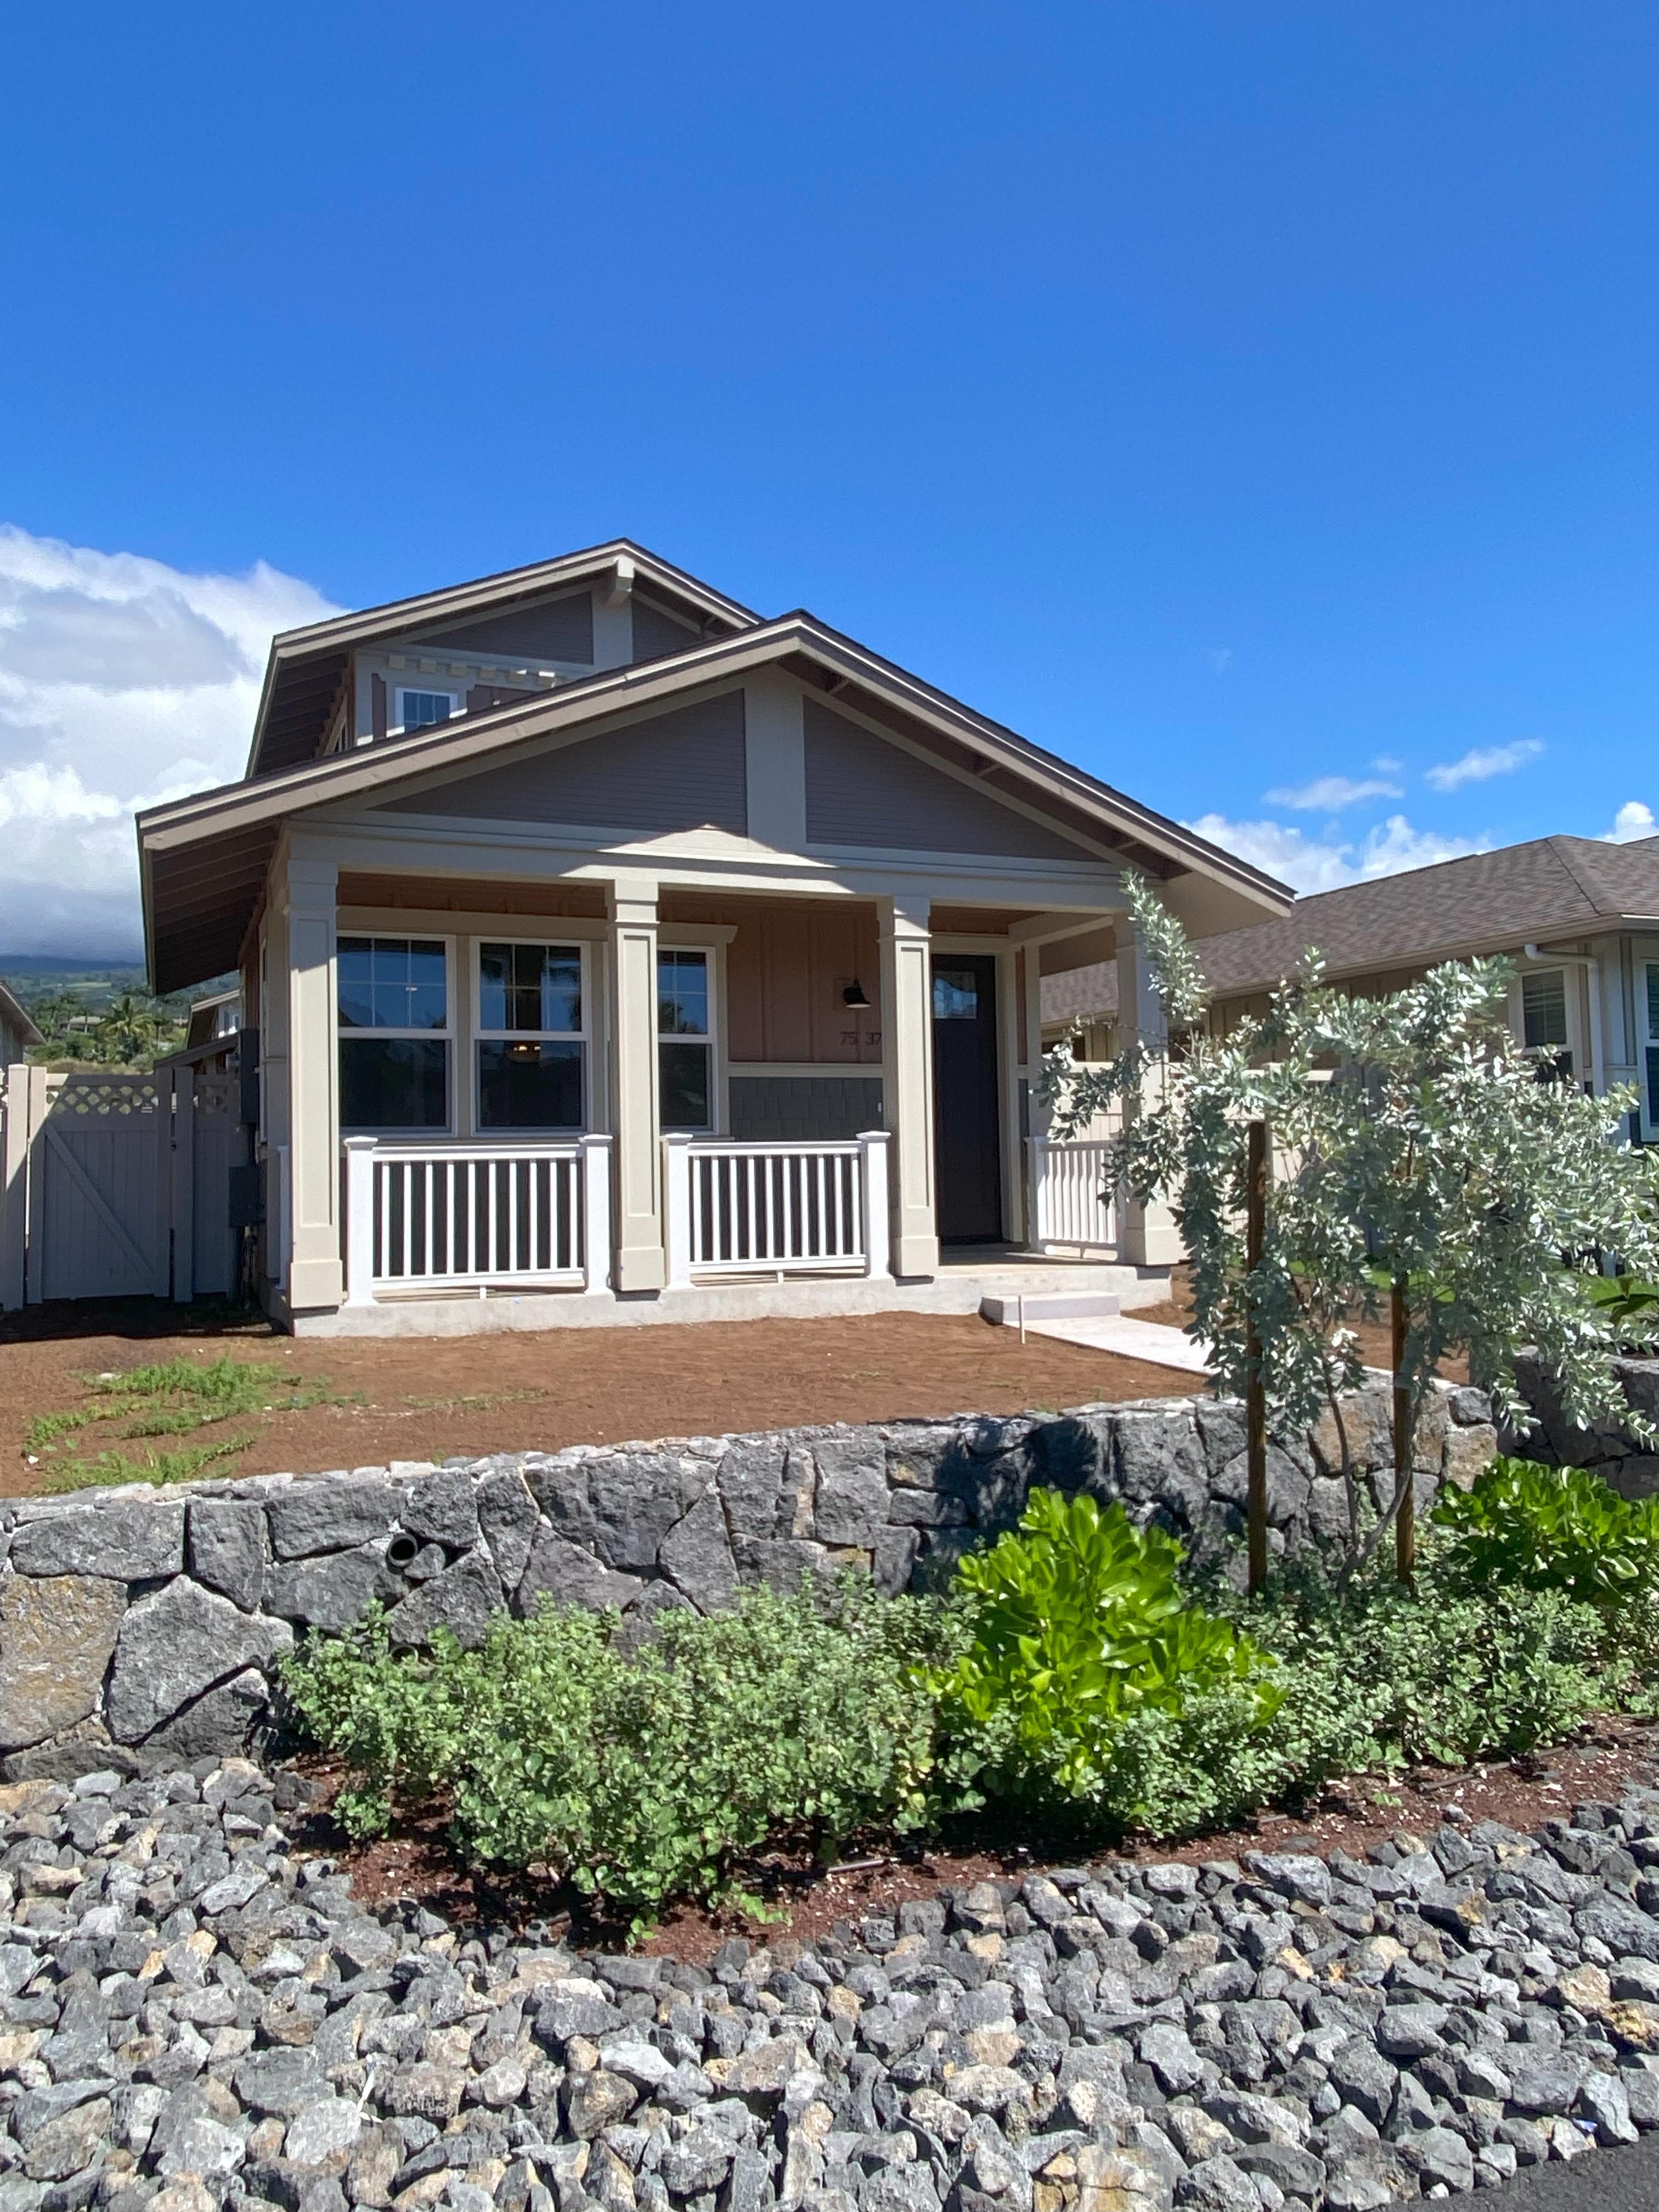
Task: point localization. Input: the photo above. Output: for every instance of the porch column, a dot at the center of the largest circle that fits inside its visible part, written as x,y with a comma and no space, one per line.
1148,1237
907,1080
315,1276
632,906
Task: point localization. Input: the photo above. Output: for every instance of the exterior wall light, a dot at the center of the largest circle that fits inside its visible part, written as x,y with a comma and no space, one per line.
854,994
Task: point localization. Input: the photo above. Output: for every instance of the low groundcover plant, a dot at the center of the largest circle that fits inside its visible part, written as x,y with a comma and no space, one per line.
1071,1679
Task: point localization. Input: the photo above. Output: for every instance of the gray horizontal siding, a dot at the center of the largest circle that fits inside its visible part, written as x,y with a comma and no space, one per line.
540,630
862,791
682,770
657,634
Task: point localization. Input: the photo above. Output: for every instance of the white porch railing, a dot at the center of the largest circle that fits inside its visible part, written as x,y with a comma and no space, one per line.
525,1216
784,1209
1072,1203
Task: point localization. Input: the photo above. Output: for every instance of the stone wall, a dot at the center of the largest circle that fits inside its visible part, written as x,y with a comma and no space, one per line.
1624,1460
138,1626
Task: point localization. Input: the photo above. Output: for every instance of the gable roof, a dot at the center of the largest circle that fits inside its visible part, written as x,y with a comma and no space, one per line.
307,667
1485,903
13,1015
203,858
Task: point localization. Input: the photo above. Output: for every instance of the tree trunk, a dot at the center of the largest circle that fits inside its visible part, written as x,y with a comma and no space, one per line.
1255,1396
1404,1519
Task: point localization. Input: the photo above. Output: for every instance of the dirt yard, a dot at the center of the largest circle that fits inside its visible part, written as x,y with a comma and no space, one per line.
423,1398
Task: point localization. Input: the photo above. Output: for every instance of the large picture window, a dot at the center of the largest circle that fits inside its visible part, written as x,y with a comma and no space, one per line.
1544,1020
529,1037
684,1032
394,1033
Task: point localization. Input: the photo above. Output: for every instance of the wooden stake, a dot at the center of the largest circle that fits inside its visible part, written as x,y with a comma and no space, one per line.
1255,1397
1404,1519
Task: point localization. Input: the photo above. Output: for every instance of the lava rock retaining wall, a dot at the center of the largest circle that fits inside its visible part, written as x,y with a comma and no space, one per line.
139,1627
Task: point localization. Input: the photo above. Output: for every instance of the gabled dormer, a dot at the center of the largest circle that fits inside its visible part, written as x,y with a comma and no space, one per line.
392,670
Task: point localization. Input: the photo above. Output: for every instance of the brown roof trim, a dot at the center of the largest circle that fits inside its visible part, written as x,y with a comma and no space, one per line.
331,641
16,1014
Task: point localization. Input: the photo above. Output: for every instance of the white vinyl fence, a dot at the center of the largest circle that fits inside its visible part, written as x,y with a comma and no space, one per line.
776,1209
1072,1203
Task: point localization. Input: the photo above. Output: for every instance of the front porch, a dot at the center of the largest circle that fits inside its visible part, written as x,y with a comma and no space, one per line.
458,1239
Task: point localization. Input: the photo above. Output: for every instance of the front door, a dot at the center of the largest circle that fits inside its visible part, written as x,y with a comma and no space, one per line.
968,1148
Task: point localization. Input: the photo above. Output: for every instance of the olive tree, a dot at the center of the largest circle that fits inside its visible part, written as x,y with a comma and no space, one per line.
1416,1154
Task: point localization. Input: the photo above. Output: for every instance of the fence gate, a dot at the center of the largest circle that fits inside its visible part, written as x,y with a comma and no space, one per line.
115,1186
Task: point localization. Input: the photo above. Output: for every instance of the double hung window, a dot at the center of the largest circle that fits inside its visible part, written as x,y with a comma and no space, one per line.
531,1037
394,1033
684,1032
1544,1020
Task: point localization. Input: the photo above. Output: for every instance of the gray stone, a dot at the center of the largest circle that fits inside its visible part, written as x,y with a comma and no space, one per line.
779,1563
507,1521
1168,2051
56,1636
329,1515
282,2081
1547,2083
175,1645
576,2006
1625,1930
227,1547
123,1543
442,1510
1292,2169
460,1600
1603,2099
331,1589
749,1478
225,1721
69,2143
893,1560
851,1502
697,1554
324,2133
1440,2154
1293,1874
560,1571
560,1491
636,1499
1364,2079
1216,2185
1411,2031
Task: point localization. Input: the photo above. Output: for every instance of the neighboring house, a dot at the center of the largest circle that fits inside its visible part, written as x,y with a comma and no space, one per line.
1579,919
17,1031
620,940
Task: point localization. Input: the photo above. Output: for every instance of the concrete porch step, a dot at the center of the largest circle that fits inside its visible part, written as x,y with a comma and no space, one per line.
1040,1306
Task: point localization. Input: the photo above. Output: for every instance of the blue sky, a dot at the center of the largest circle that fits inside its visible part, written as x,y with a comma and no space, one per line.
1232,397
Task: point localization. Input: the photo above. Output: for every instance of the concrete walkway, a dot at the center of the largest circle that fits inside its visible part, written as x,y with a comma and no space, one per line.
1130,1338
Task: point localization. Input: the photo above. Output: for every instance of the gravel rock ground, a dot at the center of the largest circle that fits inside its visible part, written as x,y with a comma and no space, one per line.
198,2019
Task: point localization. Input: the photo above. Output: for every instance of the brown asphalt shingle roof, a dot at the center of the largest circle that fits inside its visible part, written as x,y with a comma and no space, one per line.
1552,887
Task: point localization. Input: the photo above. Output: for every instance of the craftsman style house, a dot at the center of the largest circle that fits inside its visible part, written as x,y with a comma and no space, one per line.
605,947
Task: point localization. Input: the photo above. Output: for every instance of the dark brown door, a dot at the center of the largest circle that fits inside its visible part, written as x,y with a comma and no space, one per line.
968,1146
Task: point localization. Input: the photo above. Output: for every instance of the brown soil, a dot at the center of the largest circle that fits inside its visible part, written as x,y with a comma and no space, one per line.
415,1865
424,1398
1177,1310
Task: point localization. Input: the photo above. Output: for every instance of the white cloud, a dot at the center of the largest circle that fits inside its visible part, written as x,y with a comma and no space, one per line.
1309,865
123,682
1484,762
1329,794
1634,819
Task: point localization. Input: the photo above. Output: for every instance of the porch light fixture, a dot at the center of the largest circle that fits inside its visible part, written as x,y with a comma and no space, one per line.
854,994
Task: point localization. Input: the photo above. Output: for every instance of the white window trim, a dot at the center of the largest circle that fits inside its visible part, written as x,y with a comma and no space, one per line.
411,1134
479,1035
402,691
1647,1036
715,958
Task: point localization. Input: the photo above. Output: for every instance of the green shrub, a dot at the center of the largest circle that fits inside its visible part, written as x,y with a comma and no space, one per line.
1079,1625
639,1775
1552,1528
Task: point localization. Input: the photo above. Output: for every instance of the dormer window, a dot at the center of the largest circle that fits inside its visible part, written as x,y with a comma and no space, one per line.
419,710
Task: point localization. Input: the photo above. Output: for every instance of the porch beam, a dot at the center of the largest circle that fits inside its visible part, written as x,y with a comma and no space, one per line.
907,1075
632,913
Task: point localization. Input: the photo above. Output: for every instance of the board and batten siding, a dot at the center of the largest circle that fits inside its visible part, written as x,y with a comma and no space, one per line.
548,629
683,771
863,791
786,969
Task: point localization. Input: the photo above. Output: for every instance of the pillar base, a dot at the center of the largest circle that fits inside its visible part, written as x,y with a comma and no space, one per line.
312,1283
915,1255
641,1267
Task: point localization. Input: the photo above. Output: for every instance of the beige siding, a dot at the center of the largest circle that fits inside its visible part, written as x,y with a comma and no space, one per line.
682,770
862,791
545,629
